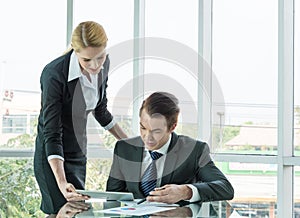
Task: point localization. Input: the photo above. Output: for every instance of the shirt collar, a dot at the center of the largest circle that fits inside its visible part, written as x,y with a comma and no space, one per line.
74,68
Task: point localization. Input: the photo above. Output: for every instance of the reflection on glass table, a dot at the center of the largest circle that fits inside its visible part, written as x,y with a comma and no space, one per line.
95,209
259,207
217,209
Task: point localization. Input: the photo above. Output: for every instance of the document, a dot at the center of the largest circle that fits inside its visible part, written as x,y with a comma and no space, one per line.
148,203
121,196
138,210
133,209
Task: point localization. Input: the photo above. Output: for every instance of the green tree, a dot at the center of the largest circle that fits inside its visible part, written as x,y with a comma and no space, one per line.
228,133
20,196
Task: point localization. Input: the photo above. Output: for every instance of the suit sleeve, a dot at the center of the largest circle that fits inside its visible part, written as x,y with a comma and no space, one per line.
116,181
213,184
52,92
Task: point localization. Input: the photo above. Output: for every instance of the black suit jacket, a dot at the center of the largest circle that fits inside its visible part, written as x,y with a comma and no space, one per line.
187,162
63,115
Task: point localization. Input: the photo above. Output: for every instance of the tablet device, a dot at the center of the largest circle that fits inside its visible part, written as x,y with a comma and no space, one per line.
121,196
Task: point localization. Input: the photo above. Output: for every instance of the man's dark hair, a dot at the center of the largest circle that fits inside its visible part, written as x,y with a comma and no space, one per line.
162,103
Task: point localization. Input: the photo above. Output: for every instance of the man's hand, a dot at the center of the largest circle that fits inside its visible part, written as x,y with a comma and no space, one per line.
177,212
170,194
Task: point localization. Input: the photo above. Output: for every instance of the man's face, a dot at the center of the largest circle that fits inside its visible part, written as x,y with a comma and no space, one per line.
154,130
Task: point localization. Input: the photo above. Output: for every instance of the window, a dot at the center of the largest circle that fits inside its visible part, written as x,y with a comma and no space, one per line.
243,47
244,60
27,45
297,81
14,124
171,55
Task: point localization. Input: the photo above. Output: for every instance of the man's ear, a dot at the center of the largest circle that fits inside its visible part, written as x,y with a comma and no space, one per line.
173,127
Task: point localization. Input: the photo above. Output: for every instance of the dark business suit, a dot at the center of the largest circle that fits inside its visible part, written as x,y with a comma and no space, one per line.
187,162
62,128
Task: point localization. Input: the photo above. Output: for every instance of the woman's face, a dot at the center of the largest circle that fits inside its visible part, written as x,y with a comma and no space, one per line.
91,59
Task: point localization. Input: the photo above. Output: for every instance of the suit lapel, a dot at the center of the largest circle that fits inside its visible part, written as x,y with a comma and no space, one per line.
71,86
74,87
102,78
136,170
75,90
131,157
101,84
171,160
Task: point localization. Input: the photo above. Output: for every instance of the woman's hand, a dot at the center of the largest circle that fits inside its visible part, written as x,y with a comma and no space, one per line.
70,194
67,189
70,209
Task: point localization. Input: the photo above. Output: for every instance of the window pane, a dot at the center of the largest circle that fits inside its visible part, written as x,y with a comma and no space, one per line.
245,65
174,26
173,19
260,199
297,109
115,16
297,80
297,191
28,42
14,124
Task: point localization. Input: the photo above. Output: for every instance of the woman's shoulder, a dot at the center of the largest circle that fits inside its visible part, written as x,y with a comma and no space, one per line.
59,61
57,67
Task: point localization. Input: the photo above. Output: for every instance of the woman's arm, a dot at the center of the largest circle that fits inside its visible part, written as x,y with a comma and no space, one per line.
67,189
117,132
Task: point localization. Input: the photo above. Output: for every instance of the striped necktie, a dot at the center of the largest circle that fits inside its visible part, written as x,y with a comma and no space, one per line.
148,181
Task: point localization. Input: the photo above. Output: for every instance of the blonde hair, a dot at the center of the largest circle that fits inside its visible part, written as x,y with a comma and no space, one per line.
88,33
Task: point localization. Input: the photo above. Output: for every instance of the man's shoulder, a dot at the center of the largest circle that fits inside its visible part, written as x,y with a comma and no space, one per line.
129,148
130,140
129,143
184,139
187,143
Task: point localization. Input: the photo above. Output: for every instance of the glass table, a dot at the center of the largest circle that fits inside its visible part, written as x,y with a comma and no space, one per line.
213,209
237,208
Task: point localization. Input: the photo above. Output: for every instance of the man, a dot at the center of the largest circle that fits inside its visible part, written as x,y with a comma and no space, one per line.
185,171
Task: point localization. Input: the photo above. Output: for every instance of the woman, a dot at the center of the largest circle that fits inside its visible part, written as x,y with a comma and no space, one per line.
72,86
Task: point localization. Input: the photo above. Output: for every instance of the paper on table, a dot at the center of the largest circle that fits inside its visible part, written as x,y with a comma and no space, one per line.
126,196
148,203
136,210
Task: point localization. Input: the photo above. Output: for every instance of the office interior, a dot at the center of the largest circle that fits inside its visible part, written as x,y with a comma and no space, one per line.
232,64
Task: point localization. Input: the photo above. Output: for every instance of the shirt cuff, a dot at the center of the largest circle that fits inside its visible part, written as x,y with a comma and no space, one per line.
55,156
196,196
110,125
195,209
